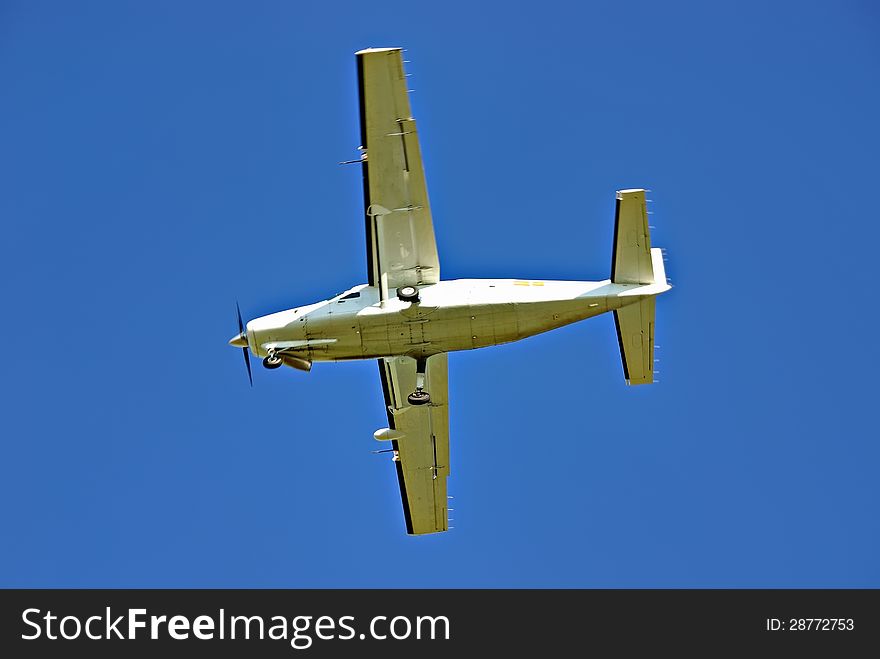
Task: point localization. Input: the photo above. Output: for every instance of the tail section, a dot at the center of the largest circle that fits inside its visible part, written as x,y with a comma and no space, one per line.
635,335
631,254
634,263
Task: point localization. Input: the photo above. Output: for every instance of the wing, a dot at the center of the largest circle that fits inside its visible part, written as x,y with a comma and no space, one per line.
423,454
401,249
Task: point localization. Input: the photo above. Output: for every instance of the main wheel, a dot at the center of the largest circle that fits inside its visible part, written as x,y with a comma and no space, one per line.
408,293
272,362
419,398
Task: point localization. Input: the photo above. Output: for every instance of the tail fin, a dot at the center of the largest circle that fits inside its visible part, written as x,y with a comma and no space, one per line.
634,262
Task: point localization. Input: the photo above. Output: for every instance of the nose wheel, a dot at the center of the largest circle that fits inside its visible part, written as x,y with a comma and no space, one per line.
420,396
272,360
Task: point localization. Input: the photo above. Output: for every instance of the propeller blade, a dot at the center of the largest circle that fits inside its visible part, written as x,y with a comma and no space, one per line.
247,357
247,363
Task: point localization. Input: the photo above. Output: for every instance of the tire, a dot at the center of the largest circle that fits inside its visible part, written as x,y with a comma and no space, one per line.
272,364
408,294
419,398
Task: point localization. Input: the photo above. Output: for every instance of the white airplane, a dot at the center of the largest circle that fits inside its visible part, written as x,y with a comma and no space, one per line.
408,319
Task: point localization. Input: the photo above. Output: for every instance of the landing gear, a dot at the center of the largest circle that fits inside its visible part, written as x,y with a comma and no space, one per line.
272,361
420,396
408,294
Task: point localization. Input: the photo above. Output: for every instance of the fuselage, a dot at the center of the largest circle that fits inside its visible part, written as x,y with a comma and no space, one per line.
460,314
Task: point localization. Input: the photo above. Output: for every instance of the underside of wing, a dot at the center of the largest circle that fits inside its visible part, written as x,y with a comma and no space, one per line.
423,451
401,250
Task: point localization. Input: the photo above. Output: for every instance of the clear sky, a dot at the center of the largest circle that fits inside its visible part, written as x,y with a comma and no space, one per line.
161,160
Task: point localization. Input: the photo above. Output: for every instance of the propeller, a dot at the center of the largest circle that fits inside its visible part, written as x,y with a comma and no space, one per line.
240,341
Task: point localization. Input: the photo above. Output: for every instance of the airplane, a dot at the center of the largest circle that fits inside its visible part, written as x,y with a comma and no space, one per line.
408,319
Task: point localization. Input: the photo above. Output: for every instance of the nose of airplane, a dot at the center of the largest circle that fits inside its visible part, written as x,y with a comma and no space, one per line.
239,340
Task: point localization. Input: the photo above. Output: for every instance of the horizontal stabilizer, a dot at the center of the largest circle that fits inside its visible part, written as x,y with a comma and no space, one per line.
635,334
631,254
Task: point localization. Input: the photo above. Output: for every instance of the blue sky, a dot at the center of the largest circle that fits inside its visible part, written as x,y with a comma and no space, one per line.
161,160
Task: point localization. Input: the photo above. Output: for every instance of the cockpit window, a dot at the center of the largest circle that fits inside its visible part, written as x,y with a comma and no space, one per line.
350,296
